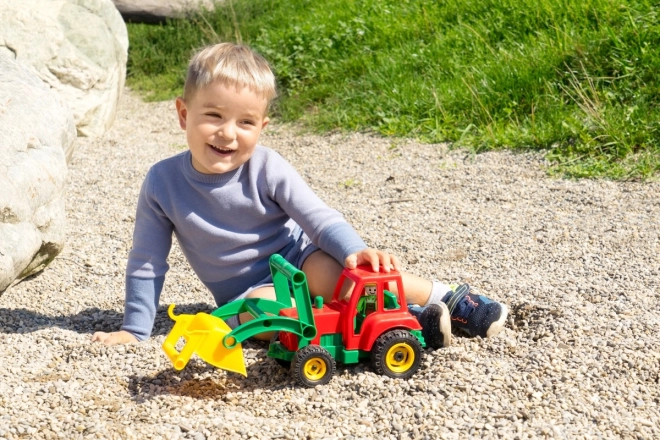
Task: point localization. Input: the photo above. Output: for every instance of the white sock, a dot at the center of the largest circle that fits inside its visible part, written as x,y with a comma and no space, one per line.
438,291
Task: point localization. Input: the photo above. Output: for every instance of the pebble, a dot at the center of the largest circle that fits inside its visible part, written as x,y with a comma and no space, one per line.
576,261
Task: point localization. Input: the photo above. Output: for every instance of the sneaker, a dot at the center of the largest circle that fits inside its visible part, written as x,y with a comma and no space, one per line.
436,326
475,314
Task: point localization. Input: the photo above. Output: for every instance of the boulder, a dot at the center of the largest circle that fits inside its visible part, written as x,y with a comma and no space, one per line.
156,11
37,133
78,47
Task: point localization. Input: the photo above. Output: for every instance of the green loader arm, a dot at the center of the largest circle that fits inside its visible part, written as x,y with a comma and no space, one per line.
288,281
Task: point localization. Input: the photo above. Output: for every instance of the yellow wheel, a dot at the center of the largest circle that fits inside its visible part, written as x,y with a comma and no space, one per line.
313,365
396,354
315,369
400,357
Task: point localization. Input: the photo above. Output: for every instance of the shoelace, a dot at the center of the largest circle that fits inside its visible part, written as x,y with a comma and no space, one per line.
460,293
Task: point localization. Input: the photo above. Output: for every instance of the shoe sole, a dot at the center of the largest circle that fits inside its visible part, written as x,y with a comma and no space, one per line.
498,325
445,325
443,321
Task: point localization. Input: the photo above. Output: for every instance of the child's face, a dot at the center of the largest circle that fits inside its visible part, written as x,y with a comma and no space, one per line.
222,125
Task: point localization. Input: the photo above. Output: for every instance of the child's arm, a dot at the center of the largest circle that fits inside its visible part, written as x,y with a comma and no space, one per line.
146,268
142,297
325,226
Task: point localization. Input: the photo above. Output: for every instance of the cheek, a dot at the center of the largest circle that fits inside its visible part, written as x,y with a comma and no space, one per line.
251,136
193,136
203,127
250,142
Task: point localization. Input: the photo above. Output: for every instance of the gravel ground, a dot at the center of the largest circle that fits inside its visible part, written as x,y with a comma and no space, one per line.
577,261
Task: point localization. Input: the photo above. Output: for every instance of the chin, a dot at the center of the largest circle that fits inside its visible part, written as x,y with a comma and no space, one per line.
224,168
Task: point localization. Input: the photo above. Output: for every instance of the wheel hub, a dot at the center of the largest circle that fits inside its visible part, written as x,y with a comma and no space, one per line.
400,357
315,369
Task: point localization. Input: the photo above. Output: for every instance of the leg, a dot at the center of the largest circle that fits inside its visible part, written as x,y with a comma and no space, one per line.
474,314
267,292
322,273
434,318
418,290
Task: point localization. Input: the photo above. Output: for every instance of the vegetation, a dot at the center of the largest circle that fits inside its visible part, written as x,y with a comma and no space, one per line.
576,78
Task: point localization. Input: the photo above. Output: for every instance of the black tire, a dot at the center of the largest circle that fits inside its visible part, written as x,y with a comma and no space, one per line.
313,365
396,354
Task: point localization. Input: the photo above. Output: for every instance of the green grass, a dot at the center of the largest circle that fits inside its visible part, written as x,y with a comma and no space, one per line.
576,78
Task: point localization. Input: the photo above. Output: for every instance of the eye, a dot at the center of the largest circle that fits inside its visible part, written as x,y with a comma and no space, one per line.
213,114
248,122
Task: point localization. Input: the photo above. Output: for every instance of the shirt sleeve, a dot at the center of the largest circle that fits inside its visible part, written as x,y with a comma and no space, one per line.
147,262
142,296
325,226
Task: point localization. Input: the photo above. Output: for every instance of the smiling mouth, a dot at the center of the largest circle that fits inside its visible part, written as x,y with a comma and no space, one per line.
220,149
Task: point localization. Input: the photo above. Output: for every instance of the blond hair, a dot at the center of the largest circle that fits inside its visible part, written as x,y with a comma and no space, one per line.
232,65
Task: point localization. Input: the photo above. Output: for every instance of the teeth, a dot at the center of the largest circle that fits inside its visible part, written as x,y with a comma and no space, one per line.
220,150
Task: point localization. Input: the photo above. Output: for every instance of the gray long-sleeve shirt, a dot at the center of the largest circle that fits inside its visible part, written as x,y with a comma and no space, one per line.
227,225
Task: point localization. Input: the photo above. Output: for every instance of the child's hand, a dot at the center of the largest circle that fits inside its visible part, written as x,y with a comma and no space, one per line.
373,257
114,338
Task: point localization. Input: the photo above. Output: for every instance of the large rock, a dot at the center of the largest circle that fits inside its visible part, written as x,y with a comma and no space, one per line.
37,133
156,11
77,47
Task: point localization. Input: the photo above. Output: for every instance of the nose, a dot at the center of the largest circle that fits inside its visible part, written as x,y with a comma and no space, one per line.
227,131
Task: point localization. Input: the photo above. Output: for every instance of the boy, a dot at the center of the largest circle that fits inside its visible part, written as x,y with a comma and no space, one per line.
232,203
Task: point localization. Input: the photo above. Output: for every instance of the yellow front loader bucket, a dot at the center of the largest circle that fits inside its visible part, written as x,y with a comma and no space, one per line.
204,335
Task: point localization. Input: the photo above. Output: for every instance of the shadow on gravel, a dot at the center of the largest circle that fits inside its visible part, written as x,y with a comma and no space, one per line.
200,380
89,320
203,381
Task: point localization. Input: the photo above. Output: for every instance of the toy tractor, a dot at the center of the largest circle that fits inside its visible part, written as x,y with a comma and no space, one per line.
363,321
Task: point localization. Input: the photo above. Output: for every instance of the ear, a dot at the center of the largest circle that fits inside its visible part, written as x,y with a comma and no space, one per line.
182,111
265,122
